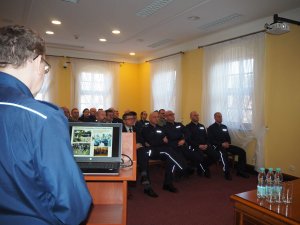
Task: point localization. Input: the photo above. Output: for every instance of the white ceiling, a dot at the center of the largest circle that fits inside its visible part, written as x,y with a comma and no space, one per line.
88,20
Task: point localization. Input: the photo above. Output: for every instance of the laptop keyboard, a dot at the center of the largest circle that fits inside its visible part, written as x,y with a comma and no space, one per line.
99,165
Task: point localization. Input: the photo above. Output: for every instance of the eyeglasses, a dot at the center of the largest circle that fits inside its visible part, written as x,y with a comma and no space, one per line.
47,65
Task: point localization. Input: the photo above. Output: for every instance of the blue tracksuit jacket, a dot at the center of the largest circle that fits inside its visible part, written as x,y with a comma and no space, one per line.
40,183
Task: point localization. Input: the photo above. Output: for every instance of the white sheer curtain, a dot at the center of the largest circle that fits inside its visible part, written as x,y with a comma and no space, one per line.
94,83
166,85
48,90
233,84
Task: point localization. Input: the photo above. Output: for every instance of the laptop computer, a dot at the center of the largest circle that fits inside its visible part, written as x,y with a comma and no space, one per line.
97,147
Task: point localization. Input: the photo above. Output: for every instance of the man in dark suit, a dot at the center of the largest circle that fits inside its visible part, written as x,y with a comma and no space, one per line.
142,153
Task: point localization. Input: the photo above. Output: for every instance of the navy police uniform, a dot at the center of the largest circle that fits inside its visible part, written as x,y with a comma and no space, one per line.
198,136
40,183
176,132
152,138
218,134
140,124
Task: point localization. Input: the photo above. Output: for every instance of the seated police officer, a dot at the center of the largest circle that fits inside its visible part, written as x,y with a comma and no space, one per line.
142,154
219,137
177,135
154,138
142,122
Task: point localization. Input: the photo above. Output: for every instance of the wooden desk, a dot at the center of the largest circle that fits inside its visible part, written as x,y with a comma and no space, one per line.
109,193
250,210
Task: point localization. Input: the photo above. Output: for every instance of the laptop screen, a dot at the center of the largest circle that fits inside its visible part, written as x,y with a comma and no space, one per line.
96,142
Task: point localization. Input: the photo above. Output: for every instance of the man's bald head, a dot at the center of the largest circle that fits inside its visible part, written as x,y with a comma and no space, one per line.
194,116
153,118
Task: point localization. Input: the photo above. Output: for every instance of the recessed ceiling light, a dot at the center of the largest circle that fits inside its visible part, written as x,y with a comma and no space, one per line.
116,32
102,39
132,53
49,32
56,22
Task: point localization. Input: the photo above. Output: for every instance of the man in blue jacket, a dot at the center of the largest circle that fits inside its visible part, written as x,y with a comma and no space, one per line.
40,182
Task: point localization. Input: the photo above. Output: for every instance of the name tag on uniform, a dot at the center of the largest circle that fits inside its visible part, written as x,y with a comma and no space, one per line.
224,129
159,131
178,126
201,128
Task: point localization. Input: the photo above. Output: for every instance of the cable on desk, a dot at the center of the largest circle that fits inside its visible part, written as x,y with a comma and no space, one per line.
126,161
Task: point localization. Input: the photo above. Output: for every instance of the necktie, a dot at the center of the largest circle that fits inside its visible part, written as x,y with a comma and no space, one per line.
130,130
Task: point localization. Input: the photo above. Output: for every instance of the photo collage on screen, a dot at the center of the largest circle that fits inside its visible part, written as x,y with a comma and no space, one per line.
92,141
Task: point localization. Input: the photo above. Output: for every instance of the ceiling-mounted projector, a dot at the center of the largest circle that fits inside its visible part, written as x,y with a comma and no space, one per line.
280,25
277,28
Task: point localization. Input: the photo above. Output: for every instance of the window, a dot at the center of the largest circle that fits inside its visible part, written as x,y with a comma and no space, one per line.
94,83
43,93
238,77
163,88
93,94
166,85
233,84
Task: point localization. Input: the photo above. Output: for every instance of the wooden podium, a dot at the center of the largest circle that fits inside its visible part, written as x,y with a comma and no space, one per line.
109,193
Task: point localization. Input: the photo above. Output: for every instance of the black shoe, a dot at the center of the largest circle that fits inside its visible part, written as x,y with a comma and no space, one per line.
170,188
207,173
144,180
242,174
150,192
227,176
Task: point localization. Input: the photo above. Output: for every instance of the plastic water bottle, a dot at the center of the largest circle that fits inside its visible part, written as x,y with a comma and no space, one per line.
261,184
270,185
278,178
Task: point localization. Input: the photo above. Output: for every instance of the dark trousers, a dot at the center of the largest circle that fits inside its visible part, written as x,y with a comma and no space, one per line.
235,150
195,156
173,160
142,159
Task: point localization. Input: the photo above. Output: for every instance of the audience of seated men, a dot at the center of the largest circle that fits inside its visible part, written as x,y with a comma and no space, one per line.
219,137
154,138
174,142
177,135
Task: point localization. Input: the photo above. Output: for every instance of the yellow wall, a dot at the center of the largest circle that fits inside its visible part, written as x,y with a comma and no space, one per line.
129,86
145,91
192,69
283,101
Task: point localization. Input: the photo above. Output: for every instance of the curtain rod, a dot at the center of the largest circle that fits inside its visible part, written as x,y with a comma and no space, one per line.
165,56
230,39
101,60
